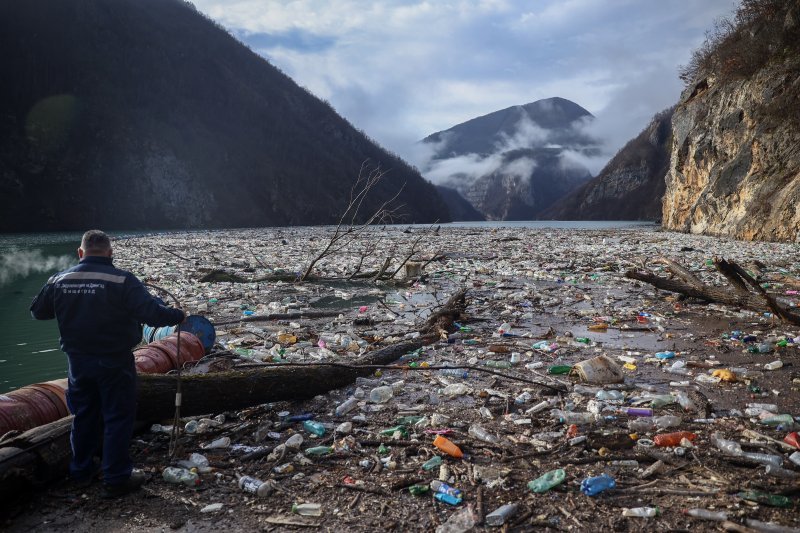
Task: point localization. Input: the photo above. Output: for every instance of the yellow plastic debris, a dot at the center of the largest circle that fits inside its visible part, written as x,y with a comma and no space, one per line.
724,374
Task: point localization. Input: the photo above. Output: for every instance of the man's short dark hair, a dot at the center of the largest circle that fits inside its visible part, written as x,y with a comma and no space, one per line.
95,241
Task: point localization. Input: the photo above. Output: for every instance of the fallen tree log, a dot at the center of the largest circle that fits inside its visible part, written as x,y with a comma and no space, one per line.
738,296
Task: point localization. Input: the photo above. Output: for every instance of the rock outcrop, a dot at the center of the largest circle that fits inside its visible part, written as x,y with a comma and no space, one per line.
735,158
630,186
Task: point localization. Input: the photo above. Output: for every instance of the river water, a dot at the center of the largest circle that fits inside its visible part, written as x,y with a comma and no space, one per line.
29,350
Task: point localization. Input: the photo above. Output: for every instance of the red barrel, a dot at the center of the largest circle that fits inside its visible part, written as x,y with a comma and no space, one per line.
162,356
32,406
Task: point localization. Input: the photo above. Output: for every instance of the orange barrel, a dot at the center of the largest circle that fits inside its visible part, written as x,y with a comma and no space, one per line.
32,406
192,348
162,356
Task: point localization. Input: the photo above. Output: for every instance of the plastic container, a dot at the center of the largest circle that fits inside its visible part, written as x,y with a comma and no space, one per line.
592,486
313,427
381,394
481,433
641,512
447,498
448,447
307,509
197,325
673,439
774,365
319,450
255,486
499,516
433,462
705,514
346,406
547,481
600,370
183,476
444,488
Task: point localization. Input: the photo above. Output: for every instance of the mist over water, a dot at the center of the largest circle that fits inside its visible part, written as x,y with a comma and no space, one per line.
15,264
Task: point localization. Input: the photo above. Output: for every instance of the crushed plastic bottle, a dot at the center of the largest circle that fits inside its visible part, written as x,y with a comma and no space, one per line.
307,509
175,475
459,522
592,486
381,394
705,514
547,481
346,406
443,488
641,512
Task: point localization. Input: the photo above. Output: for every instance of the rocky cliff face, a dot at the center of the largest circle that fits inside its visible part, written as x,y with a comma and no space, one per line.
630,186
735,158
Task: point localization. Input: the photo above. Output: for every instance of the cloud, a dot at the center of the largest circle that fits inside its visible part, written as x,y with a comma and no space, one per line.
401,70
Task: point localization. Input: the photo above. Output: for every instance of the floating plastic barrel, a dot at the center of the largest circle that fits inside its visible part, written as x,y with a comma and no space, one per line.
34,405
198,325
161,356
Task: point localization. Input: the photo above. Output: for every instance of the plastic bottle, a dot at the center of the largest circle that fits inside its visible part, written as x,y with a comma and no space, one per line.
587,390
640,425
447,498
315,428
569,417
606,395
447,447
665,355
481,433
432,463
319,450
639,411
222,442
667,421
784,420
705,514
505,327
458,372
547,481
499,516
726,446
381,394
255,486
661,400
295,441
673,439
591,486
795,458
777,471
307,509
180,475
764,458
541,406
493,363
774,365
678,367
685,401
346,406
444,488
773,500
642,512
523,397
559,369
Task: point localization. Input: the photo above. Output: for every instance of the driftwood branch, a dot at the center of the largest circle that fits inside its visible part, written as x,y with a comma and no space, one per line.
739,297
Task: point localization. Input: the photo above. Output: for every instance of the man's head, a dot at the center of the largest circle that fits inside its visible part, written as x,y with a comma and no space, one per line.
95,242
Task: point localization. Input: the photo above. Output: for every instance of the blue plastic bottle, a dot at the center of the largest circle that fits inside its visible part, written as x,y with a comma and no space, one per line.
592,486
447,498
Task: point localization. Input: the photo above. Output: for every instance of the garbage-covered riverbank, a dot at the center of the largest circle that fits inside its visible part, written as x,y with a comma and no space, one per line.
689,426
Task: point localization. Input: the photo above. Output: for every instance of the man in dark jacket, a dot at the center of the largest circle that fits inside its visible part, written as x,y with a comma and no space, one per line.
100,310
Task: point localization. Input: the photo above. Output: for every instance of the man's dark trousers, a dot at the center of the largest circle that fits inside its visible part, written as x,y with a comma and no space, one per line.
102,396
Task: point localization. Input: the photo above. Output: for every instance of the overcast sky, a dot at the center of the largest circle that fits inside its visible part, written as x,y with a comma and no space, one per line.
401,70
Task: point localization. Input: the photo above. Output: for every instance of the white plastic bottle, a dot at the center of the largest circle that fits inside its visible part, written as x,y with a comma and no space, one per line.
307,509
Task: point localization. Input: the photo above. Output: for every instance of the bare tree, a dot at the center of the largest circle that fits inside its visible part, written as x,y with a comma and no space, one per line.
348,229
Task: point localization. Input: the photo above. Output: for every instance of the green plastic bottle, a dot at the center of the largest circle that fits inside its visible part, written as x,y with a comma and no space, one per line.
391,431
493,363
383,450
409,420
779,420
773,500
418,490
432,463
319,450
547,481
559,369
583,340
314,427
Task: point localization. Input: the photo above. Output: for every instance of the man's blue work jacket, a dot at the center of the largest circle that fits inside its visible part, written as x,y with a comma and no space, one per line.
100,308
